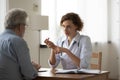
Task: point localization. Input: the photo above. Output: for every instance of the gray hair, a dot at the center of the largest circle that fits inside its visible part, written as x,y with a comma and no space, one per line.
14,18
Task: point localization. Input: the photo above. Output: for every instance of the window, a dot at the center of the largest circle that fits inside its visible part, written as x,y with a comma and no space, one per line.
92,12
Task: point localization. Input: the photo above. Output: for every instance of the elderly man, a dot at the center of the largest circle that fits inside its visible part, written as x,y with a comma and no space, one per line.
15,63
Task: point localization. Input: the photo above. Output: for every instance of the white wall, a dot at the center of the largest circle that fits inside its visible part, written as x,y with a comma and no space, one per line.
114,37
44,55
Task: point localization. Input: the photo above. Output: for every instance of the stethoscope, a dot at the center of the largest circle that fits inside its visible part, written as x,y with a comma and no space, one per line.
72,45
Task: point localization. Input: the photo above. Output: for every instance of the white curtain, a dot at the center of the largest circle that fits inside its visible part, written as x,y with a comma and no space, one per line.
92,12
2,14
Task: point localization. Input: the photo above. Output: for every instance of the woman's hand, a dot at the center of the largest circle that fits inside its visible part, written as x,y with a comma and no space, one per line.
56,49
49,43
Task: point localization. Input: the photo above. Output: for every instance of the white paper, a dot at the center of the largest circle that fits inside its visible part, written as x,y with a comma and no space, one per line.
86,71
66,71
89,71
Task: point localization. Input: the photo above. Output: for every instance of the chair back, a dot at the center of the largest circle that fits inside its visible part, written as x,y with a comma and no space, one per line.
96,60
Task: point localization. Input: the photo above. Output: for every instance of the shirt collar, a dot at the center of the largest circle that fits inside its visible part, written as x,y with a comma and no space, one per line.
9,31
76,38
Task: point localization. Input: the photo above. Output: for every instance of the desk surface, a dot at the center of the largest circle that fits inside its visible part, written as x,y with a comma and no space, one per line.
49,74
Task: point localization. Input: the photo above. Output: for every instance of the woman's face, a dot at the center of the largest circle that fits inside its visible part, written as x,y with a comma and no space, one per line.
69,28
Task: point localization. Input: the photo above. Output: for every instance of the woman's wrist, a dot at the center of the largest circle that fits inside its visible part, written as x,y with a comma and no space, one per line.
64,50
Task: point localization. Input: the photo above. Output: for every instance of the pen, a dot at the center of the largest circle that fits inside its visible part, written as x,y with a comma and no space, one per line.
42,71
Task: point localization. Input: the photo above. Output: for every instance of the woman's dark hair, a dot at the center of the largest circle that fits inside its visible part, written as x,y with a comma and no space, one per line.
74,18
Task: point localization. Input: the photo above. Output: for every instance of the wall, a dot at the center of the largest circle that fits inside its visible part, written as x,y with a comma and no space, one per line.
44,55
114,37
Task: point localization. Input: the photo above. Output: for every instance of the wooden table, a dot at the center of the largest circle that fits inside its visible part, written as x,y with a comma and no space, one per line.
50,75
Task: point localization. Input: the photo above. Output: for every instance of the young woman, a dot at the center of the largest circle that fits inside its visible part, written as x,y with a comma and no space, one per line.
73,50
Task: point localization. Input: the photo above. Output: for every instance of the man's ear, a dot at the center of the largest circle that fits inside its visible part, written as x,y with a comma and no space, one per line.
18,27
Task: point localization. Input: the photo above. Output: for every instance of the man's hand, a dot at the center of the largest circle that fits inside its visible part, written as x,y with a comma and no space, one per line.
37,66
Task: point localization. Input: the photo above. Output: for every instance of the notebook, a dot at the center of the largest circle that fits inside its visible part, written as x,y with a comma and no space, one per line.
78,71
